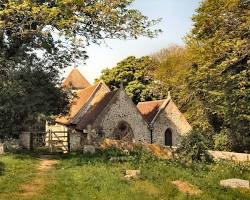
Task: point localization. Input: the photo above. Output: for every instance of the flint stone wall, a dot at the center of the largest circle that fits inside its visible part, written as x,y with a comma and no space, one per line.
160,126
171,118
121,108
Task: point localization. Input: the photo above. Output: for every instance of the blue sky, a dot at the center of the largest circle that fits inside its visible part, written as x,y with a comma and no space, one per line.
176,22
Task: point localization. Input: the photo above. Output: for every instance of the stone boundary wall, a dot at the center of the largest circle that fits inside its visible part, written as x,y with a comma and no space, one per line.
224,155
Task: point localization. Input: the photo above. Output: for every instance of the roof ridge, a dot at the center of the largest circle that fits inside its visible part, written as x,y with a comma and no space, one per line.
85,107
152,101
162,107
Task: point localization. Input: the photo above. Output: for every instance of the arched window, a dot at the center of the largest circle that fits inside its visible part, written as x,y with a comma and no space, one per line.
123,131
168,137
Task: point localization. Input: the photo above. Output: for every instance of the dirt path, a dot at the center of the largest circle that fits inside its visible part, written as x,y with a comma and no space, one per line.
35,187
186,187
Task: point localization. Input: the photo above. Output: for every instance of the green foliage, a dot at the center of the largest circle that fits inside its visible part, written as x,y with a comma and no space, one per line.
112,152
222,141
193,148
219,49
173,72
38,38
139,155
135,75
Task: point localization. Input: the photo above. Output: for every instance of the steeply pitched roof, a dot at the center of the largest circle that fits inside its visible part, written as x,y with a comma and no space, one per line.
149,109
76,80
97,106
81,98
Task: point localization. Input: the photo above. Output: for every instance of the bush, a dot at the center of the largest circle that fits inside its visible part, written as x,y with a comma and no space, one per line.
141,156
222,142
193,148
11,145
112,151
2,168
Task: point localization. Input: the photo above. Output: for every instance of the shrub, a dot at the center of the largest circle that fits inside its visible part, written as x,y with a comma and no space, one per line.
112,151
139,155
222,142
193,148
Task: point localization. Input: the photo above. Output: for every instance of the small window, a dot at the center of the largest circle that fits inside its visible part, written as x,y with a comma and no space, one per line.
123,131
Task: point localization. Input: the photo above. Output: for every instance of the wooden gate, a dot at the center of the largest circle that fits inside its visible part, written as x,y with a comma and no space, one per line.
54,141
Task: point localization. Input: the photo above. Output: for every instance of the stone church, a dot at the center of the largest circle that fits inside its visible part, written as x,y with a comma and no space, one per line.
112,114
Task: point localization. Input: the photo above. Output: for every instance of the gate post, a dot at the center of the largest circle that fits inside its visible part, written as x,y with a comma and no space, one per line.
49,142
25,140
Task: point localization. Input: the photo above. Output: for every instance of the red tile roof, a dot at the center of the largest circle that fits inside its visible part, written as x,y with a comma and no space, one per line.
149,109
81,98
95,109
76,80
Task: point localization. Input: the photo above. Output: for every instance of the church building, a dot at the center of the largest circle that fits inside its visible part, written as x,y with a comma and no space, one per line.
112,114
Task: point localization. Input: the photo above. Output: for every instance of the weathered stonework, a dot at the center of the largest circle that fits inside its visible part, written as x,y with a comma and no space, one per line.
170,118
160,126
89,149
121,108
25,140
76,141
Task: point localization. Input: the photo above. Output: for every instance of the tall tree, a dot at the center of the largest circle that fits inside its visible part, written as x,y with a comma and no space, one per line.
173,72
40,37
136,77
220,43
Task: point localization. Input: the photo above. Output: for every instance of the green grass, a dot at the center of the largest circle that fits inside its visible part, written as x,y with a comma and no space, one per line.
18,169
95,177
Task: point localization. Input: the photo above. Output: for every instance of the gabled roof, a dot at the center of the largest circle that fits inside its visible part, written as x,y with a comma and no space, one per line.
78,102
149,109
76,80
97,106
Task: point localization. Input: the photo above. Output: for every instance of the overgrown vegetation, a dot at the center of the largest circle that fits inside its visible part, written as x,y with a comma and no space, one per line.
95,176
193,148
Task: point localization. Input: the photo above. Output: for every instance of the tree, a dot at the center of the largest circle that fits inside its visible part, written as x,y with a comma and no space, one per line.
135,75
220,45
173,72
40,37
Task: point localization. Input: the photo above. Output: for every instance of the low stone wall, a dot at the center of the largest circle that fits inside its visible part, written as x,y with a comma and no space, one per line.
224,155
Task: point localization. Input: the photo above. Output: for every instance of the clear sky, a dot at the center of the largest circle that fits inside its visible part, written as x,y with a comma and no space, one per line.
176,22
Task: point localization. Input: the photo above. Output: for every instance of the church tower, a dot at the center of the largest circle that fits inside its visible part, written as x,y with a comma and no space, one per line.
76,80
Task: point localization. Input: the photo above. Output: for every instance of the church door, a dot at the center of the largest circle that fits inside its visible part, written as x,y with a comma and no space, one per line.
168,137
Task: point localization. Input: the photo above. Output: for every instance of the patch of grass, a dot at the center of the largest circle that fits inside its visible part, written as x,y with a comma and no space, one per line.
90,177
95,177
18,170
